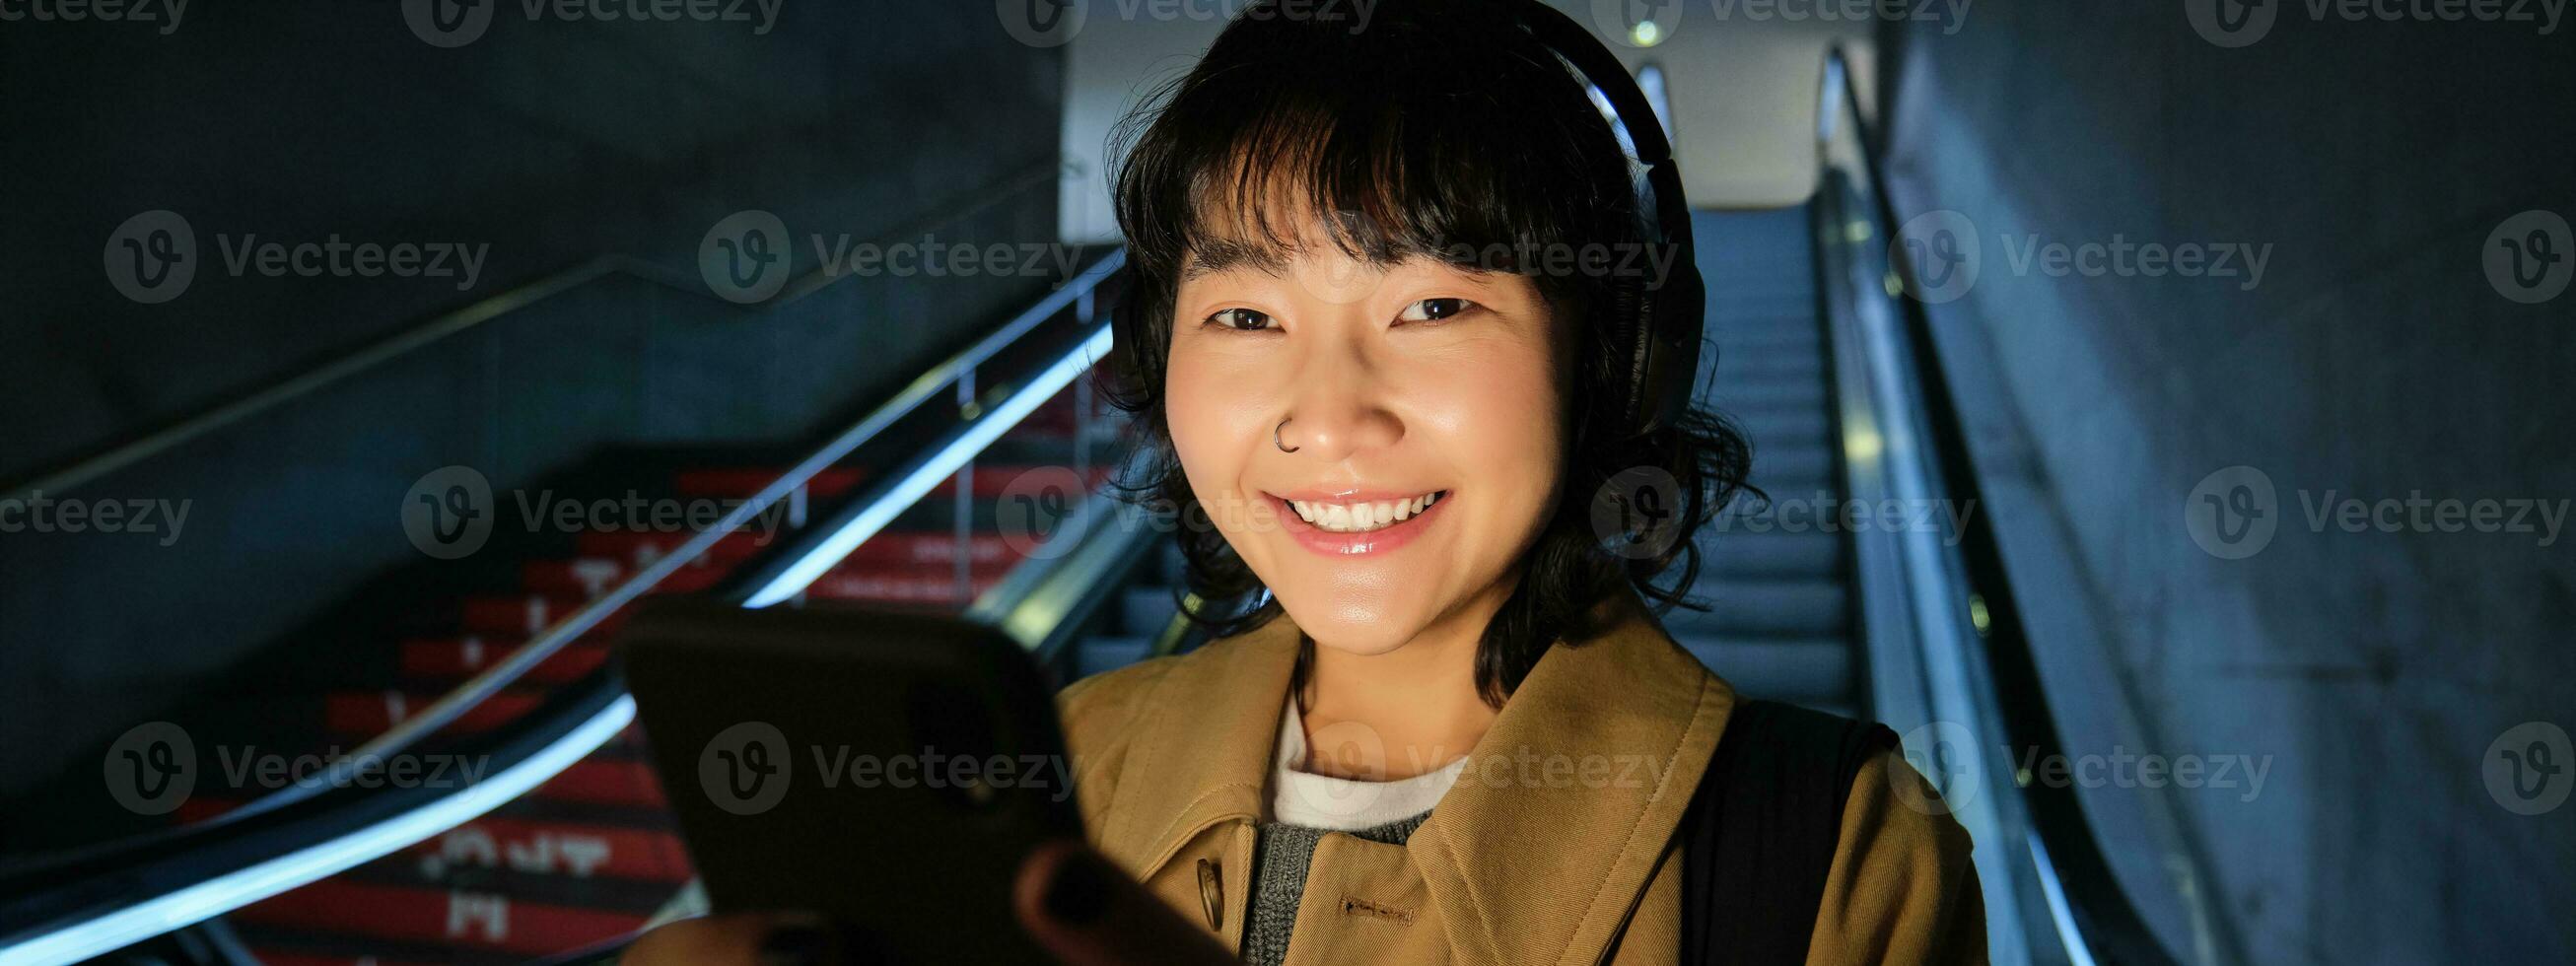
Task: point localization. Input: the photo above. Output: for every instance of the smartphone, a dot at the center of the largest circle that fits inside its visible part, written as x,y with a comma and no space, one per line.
887,770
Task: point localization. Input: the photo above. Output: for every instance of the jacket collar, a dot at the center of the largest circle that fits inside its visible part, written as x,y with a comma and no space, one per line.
1526,864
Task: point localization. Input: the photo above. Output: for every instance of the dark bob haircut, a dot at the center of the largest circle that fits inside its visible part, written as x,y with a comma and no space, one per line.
1440,130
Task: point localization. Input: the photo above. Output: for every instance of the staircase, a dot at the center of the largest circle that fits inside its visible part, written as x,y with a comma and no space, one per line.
593,853
1779,582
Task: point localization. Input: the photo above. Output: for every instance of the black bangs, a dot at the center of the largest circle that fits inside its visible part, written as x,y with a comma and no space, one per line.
1442,131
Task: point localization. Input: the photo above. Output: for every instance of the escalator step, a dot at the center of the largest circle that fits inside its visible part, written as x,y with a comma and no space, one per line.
1776,554
1782,670
447,659
1145,611
369,713
481,921
1757,607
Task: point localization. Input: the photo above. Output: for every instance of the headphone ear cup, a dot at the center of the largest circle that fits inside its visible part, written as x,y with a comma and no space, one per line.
1632,312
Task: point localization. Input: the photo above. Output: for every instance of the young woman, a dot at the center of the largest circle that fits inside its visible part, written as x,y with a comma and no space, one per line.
1366,349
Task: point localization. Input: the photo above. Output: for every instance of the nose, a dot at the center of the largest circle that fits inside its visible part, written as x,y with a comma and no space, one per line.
1339,410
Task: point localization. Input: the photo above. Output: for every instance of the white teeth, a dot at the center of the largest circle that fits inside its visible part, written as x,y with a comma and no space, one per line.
1360,517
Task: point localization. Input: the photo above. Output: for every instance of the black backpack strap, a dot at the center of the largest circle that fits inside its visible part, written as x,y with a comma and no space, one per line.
1761,832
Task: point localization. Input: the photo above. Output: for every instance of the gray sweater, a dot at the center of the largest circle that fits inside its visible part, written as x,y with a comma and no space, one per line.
1280,860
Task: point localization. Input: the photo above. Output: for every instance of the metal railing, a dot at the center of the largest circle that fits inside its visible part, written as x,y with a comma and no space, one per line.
1948,649
106,898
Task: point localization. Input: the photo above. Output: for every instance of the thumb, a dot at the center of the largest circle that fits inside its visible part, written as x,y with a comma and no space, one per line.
1088,913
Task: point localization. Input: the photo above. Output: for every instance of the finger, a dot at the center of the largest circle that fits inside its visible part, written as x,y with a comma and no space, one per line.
1088,913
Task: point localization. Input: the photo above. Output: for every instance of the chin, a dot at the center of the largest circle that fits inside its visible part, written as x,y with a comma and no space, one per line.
1352,626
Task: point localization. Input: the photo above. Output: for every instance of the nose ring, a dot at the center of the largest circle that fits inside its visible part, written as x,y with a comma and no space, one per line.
1274,438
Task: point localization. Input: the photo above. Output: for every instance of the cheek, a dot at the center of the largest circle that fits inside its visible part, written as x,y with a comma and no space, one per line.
1501,422
1212,417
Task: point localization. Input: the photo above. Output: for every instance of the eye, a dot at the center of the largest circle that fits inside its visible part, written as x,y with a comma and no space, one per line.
1241,320
1435,310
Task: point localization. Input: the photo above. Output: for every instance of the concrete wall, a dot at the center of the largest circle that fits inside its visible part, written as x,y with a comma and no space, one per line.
544,142
2381,674
1741,84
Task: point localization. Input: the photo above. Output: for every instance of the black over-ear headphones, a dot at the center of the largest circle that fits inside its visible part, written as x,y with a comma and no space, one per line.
1660,316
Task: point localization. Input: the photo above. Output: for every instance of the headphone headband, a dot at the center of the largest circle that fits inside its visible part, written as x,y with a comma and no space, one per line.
1666,311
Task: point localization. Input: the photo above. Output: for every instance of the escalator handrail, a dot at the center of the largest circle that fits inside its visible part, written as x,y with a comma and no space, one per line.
2107,925
152,883
273,393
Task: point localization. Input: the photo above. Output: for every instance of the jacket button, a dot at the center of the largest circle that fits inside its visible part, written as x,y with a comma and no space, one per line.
1212,894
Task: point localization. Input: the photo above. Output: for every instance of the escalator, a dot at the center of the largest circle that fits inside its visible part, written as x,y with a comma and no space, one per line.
977,490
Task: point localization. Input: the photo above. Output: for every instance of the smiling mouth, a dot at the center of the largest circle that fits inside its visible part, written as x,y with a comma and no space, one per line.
1362,517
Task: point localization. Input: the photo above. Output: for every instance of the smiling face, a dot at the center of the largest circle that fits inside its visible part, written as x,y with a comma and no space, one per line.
1424,407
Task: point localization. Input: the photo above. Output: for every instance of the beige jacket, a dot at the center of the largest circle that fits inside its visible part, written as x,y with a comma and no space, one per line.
1525,860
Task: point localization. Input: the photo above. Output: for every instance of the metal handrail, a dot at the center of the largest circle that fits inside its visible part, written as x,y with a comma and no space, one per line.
2096,920
578,720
